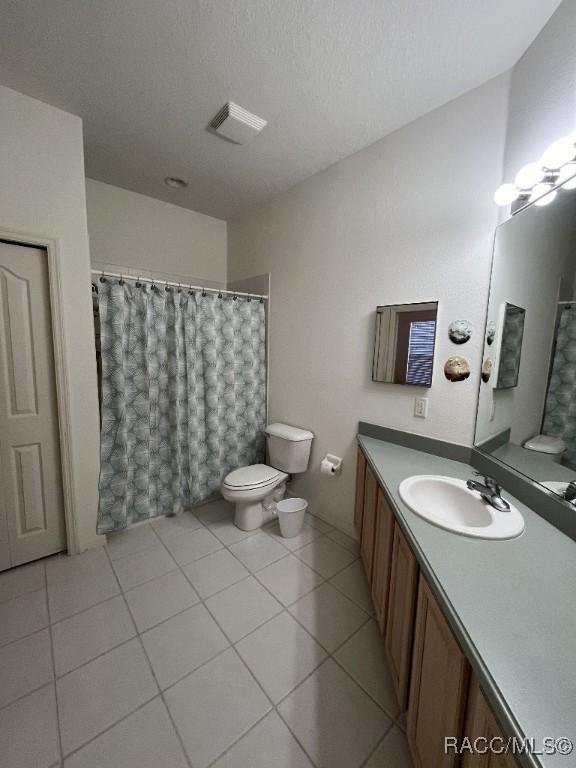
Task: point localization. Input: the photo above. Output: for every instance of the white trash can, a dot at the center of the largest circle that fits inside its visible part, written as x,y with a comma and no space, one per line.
291,516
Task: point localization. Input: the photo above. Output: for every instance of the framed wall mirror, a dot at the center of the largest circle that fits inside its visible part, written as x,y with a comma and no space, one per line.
404,344
527,408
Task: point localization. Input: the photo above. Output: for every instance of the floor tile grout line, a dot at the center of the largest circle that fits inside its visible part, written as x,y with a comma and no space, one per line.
24,637
110,727
233,646
381,741
153,673
53,657
287,609
330,654
180,567
28,693
85,610
392,718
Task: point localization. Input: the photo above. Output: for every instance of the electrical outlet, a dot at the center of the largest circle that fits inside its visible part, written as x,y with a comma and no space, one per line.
421,407
492,410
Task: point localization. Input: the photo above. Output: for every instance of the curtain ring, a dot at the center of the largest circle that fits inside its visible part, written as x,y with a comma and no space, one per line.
234,297
203,293
220,294
121,281
179,288
138,283
102,278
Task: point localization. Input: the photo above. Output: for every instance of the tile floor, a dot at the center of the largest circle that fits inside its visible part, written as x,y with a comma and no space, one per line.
187,643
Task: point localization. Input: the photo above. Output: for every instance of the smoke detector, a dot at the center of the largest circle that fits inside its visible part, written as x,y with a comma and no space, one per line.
237,124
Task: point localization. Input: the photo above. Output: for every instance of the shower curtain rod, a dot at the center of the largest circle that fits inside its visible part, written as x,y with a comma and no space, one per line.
152,281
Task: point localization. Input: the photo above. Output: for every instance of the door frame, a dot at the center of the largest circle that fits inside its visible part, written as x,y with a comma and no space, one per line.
52,248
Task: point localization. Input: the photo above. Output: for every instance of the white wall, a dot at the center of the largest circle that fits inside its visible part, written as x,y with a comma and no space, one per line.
42,194
407,219
134,231
543,92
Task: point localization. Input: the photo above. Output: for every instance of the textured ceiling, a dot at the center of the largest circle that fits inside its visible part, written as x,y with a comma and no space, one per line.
330,76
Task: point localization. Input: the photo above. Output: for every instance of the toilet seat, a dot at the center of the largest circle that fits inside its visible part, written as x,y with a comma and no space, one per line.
252,477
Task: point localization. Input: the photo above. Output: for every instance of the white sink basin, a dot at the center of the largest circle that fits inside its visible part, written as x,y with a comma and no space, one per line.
448,503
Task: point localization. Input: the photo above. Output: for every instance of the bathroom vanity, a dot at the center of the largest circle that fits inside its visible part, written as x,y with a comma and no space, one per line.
478,633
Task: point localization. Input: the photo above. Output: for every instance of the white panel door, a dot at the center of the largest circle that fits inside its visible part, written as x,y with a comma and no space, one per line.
31,502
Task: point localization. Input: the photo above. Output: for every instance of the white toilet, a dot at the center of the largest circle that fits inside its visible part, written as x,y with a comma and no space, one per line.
552,447
256,489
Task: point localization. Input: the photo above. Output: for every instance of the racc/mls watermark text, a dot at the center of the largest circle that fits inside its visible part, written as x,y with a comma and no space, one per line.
498,745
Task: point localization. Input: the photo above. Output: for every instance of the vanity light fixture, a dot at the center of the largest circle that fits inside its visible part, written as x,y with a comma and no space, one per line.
536,182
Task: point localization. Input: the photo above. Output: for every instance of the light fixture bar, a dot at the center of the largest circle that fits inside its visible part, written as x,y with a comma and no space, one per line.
536,182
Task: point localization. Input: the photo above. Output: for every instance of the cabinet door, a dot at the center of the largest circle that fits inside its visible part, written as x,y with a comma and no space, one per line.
383,540
369,522
481,723
400,614
438,687
360,478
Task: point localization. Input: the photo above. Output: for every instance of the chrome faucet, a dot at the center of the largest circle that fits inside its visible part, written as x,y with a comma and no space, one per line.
490,491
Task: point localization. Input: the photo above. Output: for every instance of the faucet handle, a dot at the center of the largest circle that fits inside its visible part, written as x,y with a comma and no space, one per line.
490,482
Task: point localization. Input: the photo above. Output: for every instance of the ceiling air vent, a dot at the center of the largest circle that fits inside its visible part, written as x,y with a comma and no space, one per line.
237,124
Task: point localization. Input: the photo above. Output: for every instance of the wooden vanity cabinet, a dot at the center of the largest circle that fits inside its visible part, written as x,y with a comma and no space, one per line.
383,541
400,614
481,723
438,686
369,522
430,672
360,478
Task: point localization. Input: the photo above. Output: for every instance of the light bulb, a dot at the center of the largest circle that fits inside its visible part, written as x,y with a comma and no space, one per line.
559,153
506,194
529,175
542,194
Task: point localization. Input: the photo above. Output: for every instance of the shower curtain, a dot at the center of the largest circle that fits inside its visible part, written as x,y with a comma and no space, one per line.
183,397
560,408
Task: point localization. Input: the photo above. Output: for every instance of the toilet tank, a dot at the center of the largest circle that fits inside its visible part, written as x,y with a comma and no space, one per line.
288,447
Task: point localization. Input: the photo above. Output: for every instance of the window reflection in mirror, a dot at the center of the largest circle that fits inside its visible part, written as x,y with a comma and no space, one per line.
527,407
510,347
404,344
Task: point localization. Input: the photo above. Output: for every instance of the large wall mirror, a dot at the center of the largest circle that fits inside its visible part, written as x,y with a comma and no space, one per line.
527,402
404,344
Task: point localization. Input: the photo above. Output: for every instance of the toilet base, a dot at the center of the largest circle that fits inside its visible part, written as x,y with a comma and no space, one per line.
249,515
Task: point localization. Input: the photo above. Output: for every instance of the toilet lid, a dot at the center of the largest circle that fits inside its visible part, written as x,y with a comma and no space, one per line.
252,476
546,444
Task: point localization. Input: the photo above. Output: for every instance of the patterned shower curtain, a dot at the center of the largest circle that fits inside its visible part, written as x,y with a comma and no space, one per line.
183,397
560,409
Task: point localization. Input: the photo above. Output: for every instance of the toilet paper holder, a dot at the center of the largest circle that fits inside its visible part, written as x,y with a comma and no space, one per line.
330,464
